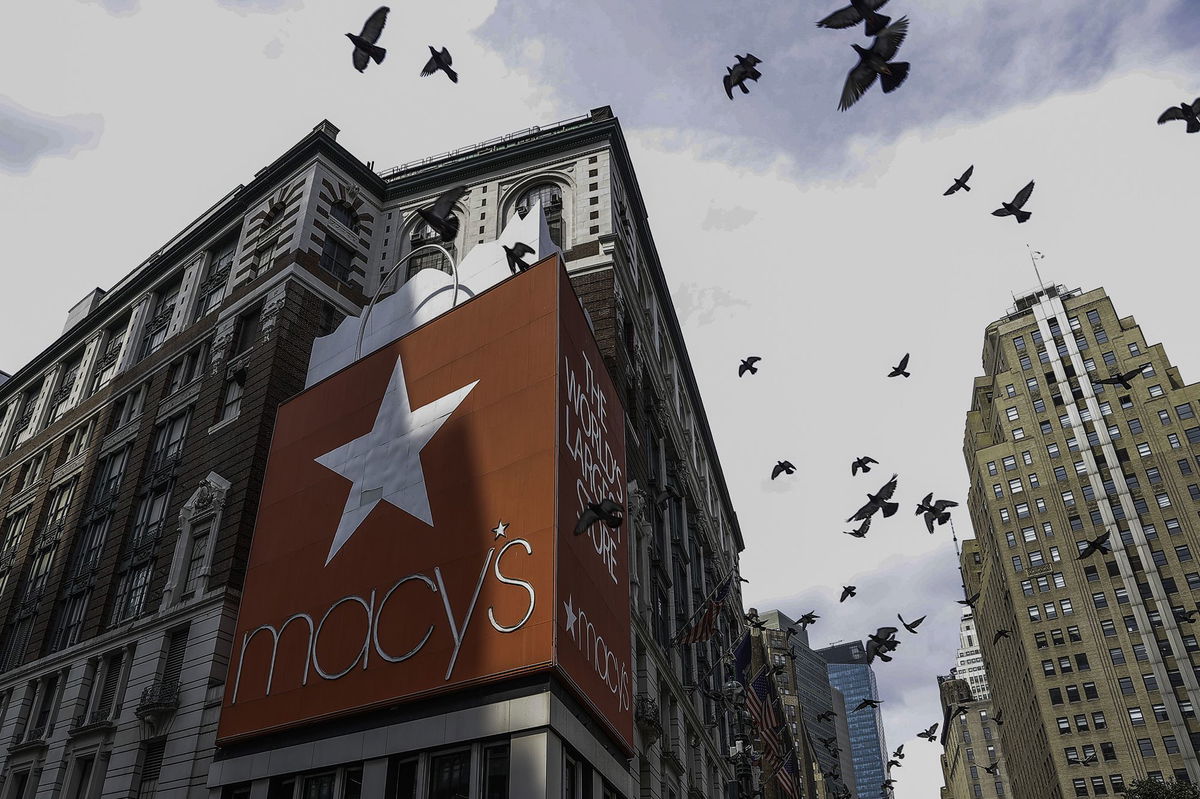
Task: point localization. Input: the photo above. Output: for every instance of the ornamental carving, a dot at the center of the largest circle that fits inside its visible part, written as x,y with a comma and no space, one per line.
270,311
221,343
639,507
648,718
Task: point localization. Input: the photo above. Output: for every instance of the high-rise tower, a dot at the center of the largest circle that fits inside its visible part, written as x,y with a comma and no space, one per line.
850,673
1096,678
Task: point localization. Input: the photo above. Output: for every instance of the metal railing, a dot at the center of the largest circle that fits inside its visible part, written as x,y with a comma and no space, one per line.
159,696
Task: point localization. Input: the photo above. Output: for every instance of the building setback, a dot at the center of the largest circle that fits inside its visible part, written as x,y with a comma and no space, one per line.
1097,661
132,452
850,673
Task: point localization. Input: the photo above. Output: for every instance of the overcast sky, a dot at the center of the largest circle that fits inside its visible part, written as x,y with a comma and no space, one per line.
815,239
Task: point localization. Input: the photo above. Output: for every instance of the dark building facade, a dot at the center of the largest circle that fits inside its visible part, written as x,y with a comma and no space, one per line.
850,673
132,454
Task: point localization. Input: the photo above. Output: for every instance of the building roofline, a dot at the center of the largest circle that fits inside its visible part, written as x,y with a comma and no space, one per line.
321,140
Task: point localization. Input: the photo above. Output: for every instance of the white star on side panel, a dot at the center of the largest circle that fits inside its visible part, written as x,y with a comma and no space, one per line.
385,464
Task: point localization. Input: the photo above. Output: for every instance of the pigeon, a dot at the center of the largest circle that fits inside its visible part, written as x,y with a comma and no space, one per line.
827,742
960,182
1185,616
1072,760
440,61
747,365
992,768
856,12
1001,633
516,254
958,711
365,50
1121,380
826,715
607,511
781,467
807,619
440,216
911,627
899,753
880,643
877,502
1014,208
874,62
1089,760
861,532
935,510
894,764
900,369
754,621
848,591
929,734
970,601
999,718
737,75
1097,544
1188,113
863,463
872,703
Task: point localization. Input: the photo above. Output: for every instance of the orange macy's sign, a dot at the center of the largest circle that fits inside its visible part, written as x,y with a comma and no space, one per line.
414,534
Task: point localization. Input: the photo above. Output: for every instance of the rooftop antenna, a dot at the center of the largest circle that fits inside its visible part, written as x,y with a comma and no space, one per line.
1034,257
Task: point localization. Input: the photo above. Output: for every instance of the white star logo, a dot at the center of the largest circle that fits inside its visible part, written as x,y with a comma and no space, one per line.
571,614
499,530
385,464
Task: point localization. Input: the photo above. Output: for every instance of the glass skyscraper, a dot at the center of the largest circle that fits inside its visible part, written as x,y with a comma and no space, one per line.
850,673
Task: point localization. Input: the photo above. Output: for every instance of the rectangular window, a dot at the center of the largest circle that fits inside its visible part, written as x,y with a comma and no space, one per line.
1098,721
1156,390
1073,634
1099,600
1116,655
1185,466
1163,500
1135,717
1135,426
231,401
1035,613
1022,510
1164,417
1016,562
1015,486
1185,411
1065,604
1010,462
1080,785
336,258
1089,690
249,328
1146,747
1064,725
991,467
1011,412
1026,363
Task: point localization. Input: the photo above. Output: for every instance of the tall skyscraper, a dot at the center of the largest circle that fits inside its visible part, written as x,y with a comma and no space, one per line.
809,684
850,673
135,446
1097,668
968,663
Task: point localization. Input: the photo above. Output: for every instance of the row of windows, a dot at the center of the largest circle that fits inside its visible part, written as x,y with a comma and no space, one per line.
1098,788
1051,612
1064,665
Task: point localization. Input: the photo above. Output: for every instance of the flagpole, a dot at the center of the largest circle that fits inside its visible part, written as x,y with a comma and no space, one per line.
1034,256
704,605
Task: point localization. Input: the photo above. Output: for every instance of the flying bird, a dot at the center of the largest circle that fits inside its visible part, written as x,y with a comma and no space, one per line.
1188,113
894,764
807,619
826,715
880,643
1001,633
365,49
516,255
872,703
439,60
738,74
747,365
1121,380
834,774
900,369
1097,544
861,532
958,711
970,601
878,502
911,627
863,463
781,467
929,734
992,768
935,510
827,742
607,511
1089,760
960,182
999,718
440,216
848,591
856,12
874,62
1185,616
899,753
1014,208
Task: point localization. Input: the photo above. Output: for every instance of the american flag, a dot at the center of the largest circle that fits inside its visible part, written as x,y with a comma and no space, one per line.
788,777
761,704
741,658
703,627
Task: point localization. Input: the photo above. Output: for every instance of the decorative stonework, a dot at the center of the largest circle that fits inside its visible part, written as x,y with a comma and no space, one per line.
639,507
221,343
272,305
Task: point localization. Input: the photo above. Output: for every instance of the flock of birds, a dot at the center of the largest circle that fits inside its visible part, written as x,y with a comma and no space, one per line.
874,62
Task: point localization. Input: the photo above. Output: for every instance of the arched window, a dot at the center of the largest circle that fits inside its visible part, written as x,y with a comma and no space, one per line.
342,213
427,259
551,197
